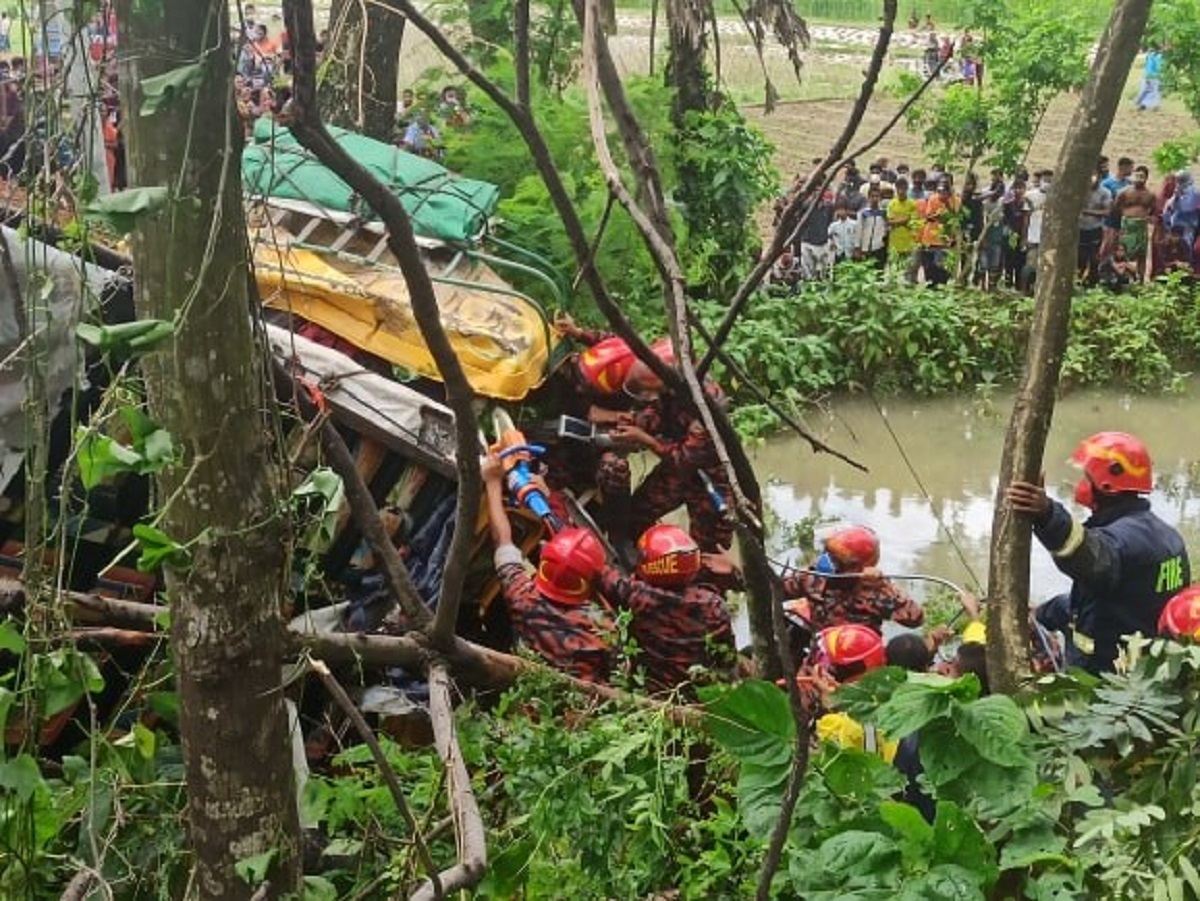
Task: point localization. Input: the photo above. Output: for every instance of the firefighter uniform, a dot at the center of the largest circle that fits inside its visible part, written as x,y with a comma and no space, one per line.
1126,564
570,638
837,601
675,628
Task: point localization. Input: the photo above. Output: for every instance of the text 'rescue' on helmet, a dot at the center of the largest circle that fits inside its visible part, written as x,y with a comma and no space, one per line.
849,650
1112,463
1180,618
569,564
850,549
668,556
605,365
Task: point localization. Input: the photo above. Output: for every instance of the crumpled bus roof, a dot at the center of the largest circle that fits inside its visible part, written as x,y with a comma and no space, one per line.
442,205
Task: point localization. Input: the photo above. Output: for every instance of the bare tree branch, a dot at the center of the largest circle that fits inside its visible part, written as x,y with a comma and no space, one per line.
334,687
521,53
311,133
468,824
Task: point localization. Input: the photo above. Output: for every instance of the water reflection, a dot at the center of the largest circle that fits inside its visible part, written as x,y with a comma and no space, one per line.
954,448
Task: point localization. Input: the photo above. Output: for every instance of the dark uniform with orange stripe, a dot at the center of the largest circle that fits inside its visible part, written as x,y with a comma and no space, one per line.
675,629
834,602
573,639
686,451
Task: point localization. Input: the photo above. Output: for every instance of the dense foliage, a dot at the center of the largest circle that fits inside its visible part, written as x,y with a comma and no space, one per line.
863,329
1077,788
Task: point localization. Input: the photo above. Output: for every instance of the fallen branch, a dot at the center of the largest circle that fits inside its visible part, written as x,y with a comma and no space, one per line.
79,887
91,609
334,687
468,823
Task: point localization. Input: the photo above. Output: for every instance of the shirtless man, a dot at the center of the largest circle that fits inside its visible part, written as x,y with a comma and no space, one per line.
1135,206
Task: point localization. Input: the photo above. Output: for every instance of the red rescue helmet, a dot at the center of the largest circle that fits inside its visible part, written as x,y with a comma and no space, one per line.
640,381
1112,463
1181,617
605,365
852,548
669,556
569,564
850,650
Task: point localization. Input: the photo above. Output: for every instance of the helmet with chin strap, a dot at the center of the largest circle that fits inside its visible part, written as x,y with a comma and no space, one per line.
1113,463
640,381
569,564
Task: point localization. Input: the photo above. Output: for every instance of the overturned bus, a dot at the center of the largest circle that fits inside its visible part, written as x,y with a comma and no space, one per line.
337,315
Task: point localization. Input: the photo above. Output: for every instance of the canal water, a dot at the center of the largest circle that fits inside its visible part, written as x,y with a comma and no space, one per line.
954,447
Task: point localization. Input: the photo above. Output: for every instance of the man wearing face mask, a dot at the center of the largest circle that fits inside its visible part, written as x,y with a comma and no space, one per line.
1126,563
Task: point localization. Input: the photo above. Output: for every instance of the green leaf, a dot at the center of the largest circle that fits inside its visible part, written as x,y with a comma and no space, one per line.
159,549
21,776
11,638
859,852
144,741
911,707
861,698
318,888
121,209
996,728
861,775
945,882
752,721
163,89
907,823
7,697
320,495
253,870
958,839
760,794
1033,845
100,458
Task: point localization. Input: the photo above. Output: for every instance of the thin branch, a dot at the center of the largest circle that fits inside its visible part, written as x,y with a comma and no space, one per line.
807,196
468,823
543,161
595,245
660,247
731,364
312,134
334,687
521,52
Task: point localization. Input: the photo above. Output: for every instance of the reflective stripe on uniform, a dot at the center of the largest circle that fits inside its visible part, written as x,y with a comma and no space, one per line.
1074,540
1085,644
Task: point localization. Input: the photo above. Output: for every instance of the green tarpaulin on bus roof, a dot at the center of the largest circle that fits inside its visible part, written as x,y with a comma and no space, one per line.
442,205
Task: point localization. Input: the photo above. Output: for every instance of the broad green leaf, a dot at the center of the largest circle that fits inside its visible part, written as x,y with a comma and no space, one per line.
165,88
760,793
121,209
861,775
945,755
911,707
158,549
144,741
7,697
509,869
945,882
11,638
906,822
859,852
320,495
1039,843
318,888
253,870
21,776
99,457
752,721
863,697
958,839
996,728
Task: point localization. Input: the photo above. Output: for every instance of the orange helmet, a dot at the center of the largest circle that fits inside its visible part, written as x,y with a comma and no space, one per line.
569,564
1181,617
640,380
850,650
605,365
669,556
852,549
1112,463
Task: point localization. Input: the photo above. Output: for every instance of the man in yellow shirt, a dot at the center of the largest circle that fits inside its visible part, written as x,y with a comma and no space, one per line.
901,211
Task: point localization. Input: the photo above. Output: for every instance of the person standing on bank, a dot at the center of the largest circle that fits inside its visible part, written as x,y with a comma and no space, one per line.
1126,562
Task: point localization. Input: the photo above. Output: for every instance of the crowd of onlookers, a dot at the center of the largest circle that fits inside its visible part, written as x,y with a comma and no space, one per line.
919,222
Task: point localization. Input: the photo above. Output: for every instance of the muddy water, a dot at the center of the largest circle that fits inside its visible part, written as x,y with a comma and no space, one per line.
954,447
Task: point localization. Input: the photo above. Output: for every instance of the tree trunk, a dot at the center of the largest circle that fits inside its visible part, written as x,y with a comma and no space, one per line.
1008,580
358,90
687,70
221,498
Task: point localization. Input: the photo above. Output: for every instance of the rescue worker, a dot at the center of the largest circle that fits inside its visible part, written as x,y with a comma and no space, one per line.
843,654
688,471
589,385
846,586
1180,618
552,612
678,621
1125,561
